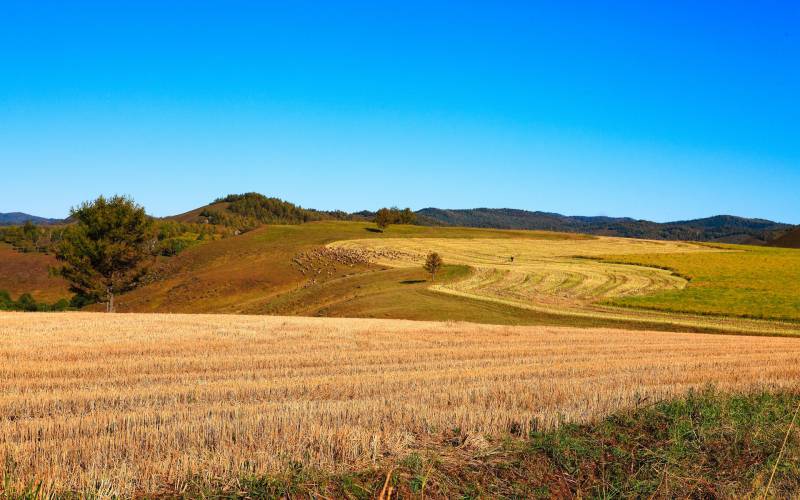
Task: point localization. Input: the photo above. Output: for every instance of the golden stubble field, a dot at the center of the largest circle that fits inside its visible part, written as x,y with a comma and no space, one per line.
134,404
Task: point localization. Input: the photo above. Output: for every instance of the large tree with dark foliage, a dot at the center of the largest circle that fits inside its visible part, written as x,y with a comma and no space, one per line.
105,252
394,215
383,218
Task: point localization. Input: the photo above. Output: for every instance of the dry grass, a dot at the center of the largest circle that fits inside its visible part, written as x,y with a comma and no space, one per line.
28,273
133,404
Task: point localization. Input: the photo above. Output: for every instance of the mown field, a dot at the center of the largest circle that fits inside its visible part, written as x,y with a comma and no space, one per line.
582,279
132,404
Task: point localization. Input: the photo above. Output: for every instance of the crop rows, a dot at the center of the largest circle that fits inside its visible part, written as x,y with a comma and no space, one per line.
137,404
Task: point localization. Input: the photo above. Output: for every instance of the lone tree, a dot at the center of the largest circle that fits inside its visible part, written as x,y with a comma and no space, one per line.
105,252
383,218
432,264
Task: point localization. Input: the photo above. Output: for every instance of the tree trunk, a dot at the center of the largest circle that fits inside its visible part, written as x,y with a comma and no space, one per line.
110,303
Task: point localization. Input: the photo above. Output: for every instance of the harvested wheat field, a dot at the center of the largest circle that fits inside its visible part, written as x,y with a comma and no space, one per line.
135,404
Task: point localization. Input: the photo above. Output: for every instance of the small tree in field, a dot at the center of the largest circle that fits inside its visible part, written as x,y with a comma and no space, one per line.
383,218
432,264
104,252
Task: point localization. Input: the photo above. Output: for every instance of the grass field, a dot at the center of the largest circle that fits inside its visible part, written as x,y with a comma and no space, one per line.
256,273
755,282
555,278
580,278
133,404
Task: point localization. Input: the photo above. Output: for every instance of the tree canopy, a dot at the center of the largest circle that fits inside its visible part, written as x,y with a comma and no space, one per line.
432,264
394,215
105,252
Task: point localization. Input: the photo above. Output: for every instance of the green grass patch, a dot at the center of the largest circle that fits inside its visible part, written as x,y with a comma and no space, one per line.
749,282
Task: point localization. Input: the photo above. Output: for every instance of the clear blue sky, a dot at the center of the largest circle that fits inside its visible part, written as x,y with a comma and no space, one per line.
660,110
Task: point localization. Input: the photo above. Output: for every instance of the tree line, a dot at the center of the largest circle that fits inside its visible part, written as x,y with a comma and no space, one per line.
171,237
31,238
394,215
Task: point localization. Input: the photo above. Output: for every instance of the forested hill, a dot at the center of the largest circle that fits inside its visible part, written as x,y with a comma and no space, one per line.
720,228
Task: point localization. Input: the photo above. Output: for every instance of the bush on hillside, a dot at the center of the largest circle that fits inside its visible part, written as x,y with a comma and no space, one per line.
27,303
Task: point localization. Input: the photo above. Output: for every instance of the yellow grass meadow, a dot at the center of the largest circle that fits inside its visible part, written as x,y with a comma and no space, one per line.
135,404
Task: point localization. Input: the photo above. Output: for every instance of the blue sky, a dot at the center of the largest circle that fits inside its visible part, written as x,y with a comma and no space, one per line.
658,110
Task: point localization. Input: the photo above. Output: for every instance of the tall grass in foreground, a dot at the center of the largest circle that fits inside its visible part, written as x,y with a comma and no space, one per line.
143,404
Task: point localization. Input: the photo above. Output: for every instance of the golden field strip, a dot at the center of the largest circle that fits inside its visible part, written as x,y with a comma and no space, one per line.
134,404
567,277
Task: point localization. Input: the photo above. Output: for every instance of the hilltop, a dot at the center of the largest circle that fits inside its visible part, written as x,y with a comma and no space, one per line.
250,210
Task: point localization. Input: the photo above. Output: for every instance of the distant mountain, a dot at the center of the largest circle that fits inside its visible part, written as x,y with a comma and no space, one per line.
17,218
720,228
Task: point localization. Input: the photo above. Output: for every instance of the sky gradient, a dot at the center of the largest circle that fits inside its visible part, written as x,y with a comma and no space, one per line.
657,110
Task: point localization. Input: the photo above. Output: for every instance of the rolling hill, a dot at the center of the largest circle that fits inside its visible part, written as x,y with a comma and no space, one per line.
789,240
28,272
719,228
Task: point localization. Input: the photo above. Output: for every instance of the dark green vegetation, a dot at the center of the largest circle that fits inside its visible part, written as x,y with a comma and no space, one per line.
171,237
26,302
245,212
751,282
30,237
106,251
721,228
394,215
707,445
